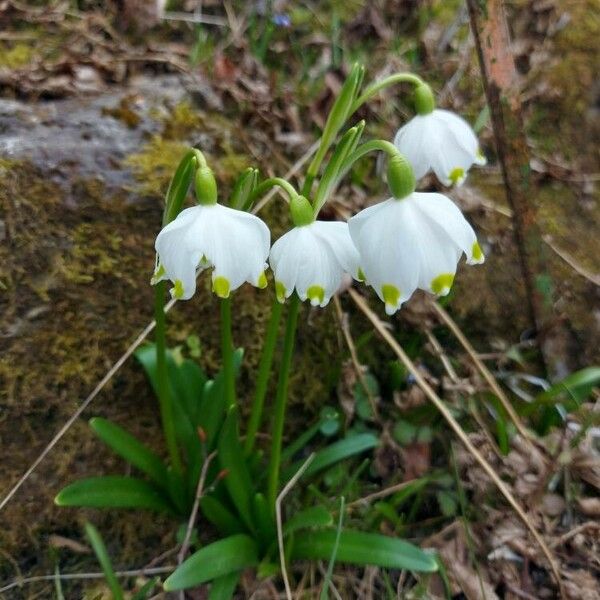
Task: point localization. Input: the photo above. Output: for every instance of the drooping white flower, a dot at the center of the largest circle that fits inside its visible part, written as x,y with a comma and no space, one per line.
234,242
312,259
413,242
441,141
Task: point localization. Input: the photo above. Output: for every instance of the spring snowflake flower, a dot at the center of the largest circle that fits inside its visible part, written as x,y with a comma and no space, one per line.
439,140
312,259
412,242
234,242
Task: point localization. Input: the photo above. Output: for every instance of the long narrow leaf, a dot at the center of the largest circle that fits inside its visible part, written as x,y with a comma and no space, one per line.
223,588
130,448
226,556
313,517
113,492
336,452
223,519
102,555
356,547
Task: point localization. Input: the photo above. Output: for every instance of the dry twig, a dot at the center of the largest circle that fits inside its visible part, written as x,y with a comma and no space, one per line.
439,404
288,486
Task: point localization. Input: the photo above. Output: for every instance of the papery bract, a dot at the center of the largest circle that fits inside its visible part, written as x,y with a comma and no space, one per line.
412,243
234,242
312,259
441,141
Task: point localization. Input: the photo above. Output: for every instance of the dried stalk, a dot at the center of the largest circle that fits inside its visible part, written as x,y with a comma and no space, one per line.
462,436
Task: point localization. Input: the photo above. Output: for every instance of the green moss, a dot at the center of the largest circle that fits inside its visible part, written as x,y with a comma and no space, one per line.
19,55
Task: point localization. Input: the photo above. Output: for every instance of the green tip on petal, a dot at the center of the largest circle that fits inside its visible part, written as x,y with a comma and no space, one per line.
361,275
221,287
477,253
280,291
391,294
316,294
157,275
442,283
457,175
177,291
262,281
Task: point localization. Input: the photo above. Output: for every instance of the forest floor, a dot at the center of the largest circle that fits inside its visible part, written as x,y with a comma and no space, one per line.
95,112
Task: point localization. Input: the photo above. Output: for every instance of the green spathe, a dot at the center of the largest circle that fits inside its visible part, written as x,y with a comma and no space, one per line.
206,186
400,176
301,211
424,100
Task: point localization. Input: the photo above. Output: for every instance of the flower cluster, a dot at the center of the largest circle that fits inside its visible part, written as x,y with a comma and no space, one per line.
410,241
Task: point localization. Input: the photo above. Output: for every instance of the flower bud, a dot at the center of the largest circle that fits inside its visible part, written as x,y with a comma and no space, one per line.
206,186
424,100
301,211
400,177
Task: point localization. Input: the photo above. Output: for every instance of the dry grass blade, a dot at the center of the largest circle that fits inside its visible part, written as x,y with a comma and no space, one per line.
109,375
284,492
485,372
75,576
439,404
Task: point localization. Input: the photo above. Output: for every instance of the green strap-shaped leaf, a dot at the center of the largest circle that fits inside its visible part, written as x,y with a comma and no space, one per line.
231,458
336,452
358,548
223,519
216,560
130,448
144,591
113,492
223,588
263,517
313,517
102,555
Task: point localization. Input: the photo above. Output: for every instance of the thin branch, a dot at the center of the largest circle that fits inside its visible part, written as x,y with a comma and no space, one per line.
345,326
109,375
455,426
288,486
192,520
388,491
71,576
485,372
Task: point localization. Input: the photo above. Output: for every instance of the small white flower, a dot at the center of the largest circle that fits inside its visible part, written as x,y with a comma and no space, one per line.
441,141
412,243
234,242
312,259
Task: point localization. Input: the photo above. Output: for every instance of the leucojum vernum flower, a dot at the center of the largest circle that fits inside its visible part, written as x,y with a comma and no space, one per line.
411,240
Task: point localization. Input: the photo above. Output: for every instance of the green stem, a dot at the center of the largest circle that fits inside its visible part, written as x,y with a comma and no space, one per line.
264,371
227,351
376,86
162,378
281,400
266,185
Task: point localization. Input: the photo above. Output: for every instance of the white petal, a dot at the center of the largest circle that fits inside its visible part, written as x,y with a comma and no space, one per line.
285,258
234,242
337,236
415,140
387,242
174,257
457,150
449,220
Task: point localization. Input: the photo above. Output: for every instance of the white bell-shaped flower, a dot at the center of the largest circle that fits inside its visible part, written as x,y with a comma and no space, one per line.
441,141
312,259
234,242
411,243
